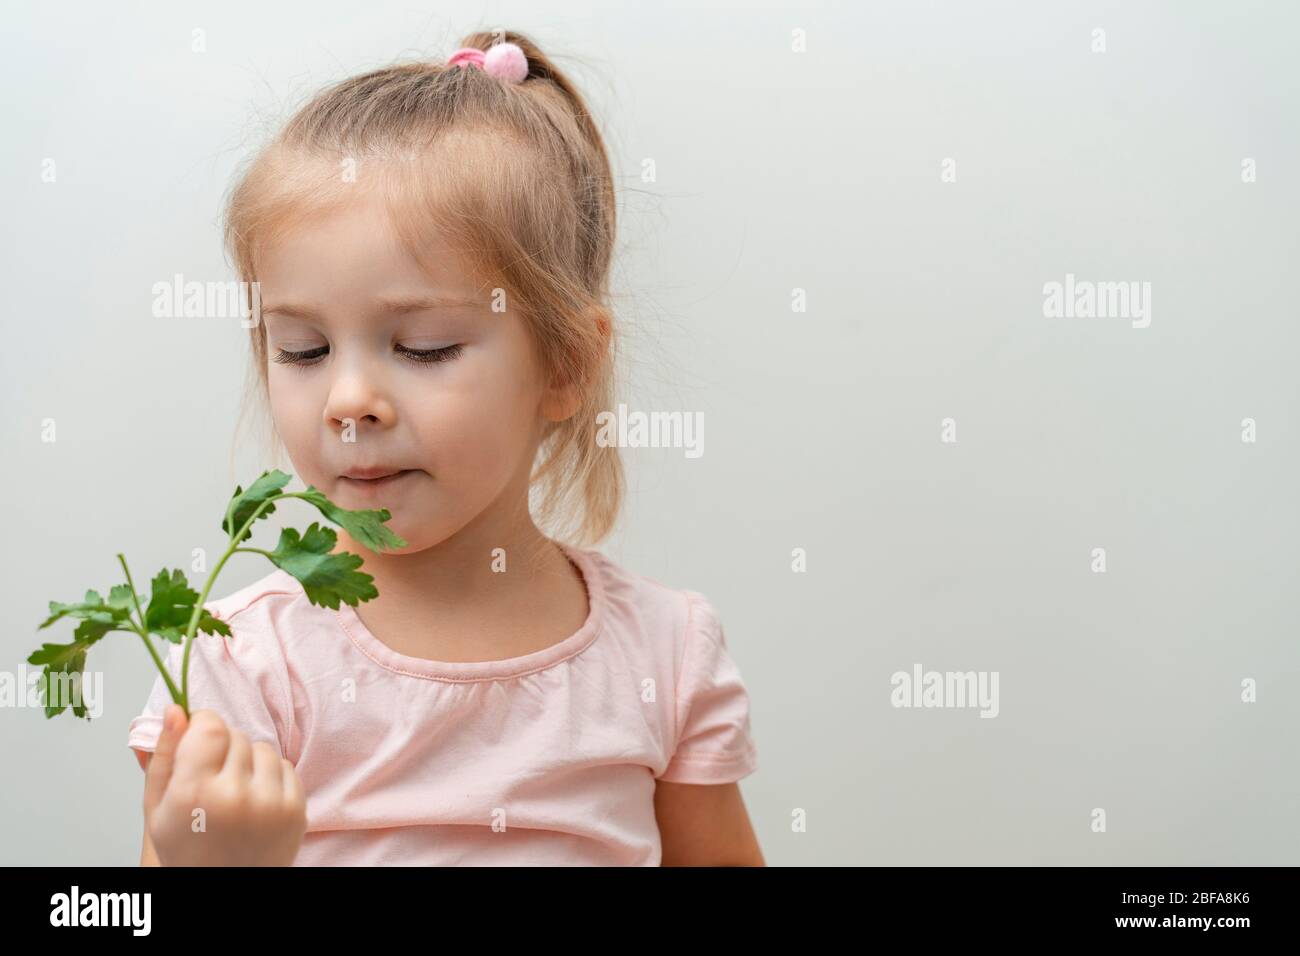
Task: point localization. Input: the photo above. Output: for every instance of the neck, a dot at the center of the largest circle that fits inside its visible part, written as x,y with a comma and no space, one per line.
459,571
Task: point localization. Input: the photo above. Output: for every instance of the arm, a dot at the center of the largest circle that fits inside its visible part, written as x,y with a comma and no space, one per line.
705,825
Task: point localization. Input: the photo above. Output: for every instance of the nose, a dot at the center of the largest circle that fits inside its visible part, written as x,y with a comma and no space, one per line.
358,400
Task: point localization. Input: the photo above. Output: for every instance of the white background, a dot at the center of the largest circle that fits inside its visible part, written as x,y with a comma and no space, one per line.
775,170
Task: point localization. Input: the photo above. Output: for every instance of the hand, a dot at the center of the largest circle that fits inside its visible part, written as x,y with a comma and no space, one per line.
254,808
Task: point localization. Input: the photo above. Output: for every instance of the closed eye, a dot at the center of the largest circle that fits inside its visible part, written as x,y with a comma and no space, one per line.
425,356
301,358
421,356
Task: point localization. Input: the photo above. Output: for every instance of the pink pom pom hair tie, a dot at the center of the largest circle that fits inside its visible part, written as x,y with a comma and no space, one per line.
506,61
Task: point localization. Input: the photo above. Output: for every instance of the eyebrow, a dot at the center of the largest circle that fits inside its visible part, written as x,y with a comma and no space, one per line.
391,306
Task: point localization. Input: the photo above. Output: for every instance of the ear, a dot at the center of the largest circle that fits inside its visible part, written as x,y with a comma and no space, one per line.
560,404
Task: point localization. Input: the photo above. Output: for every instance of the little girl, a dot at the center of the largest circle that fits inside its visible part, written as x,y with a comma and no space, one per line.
432,246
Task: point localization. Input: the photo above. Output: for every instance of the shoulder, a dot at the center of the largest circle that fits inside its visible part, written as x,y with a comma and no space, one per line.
657,615
257,614
244,677
708,734
274,590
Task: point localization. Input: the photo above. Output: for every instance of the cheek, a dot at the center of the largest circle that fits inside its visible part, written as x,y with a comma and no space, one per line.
293,411
483,424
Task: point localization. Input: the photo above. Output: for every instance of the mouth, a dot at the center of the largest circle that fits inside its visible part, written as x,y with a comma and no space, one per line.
375,477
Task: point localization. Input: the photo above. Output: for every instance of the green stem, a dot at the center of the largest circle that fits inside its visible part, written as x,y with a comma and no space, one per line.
171,685
235,538
144,634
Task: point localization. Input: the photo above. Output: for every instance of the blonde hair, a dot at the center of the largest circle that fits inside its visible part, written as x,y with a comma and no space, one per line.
517,178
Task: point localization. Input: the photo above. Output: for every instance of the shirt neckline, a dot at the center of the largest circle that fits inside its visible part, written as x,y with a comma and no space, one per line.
386,657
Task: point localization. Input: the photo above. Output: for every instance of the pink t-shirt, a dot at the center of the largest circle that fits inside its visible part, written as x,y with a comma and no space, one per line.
546,759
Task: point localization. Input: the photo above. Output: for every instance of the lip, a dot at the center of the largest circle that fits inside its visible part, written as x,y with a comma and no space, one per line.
378,471
382,481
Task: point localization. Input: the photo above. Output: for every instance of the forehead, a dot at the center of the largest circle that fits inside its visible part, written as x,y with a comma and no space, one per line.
350,249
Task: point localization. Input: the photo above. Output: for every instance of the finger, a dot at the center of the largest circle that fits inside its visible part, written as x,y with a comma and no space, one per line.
267,776
202,750
239,758
292,783
163,761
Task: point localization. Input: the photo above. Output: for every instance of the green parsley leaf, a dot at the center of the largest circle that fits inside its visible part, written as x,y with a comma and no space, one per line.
65,665
244,503
366,527
327,578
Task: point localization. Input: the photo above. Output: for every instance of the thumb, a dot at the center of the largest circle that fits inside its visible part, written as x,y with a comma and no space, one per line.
164,756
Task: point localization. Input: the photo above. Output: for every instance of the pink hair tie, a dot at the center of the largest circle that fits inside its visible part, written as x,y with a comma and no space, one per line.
506,61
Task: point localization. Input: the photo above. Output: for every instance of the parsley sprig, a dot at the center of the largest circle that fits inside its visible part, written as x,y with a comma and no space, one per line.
174,611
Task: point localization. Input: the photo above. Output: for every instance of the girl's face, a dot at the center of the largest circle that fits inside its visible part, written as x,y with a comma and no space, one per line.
402,368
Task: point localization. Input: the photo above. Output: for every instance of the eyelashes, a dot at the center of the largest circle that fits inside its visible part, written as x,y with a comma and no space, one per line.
300,358
428,356
419,356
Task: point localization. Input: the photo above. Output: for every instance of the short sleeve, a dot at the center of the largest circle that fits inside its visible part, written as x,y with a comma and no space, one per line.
715,742
236,676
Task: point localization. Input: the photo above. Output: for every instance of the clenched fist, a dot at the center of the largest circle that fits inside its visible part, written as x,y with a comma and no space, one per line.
254,809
